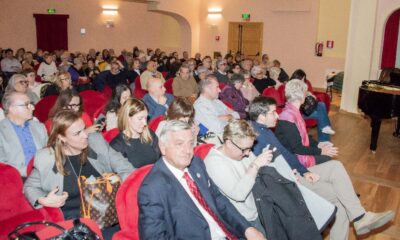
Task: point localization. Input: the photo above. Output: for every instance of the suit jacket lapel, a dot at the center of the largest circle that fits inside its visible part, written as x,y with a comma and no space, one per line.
12,135
182,196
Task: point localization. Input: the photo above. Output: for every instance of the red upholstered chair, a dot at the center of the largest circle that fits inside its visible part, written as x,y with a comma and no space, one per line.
153,124
138,92
202,150
14,208
221,86
127,206
164,74
168,86
110,134
273,93
92,100
49,232
42,108
99,111
29,168
107,92
321,96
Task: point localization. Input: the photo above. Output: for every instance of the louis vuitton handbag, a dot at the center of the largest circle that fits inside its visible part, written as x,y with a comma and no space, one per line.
98,198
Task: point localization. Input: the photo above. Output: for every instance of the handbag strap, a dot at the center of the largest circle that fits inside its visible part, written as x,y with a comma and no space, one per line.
28,224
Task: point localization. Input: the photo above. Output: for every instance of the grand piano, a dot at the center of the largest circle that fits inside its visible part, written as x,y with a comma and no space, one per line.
379,101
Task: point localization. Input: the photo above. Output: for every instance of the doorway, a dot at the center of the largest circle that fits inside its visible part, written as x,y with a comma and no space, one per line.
246,38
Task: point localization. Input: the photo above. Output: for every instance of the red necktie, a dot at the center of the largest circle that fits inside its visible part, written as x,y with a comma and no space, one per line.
197,194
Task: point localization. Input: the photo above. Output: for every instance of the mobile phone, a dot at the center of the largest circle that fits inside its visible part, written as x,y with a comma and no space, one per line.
100,119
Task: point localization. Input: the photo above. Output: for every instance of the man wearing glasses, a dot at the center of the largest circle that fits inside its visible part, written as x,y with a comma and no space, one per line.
20,137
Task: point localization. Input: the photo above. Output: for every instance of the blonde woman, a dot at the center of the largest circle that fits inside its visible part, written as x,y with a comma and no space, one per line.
135,141
61,83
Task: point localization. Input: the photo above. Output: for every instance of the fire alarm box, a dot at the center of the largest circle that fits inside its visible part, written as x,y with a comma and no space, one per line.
329,44
217,38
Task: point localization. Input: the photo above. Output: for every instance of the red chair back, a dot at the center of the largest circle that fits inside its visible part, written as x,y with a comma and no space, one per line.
153,124
92,100
29,168
99,111
221,86
127,205
164,74
202,150
107,92
110,134
42,108
272,92
168,86
138,92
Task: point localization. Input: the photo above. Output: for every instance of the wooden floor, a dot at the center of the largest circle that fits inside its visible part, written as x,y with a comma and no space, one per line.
375,176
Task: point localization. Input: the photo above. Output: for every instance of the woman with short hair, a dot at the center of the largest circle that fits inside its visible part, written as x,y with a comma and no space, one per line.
135,141
232,94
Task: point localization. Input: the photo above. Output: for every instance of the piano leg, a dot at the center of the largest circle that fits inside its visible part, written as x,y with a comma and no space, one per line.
375,125
396,132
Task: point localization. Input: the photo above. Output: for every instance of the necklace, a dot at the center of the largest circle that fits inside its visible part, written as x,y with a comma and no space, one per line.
73,169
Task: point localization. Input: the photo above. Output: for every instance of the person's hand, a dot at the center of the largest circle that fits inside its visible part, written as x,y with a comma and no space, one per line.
162,100
53,200
264,158
195,129
252,233
95,128
321,144
226,117
311,177
329,150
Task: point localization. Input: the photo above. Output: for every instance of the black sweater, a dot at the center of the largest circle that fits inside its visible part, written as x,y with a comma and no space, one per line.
289,136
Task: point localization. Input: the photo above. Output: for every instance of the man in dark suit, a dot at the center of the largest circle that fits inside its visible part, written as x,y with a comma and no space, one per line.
178,200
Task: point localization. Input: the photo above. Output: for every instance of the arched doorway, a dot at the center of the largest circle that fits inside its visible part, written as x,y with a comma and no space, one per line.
391,42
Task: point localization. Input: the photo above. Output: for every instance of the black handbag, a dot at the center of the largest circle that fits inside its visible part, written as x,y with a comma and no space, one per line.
309,105
79,231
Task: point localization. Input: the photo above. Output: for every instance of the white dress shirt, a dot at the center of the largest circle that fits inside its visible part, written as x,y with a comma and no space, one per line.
215,230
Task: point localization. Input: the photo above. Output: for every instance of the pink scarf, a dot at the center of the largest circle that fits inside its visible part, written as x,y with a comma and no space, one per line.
291,114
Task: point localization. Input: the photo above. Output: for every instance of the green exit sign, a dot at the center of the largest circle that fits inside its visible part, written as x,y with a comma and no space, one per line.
245,16
51,10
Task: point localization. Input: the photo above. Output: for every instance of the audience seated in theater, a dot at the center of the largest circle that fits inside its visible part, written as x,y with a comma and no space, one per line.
19,83
91,70
207,62
197,58
120,94
20,136
233,168
232,94
221,72
150,72
9,64
100,62
134,72
78,75
34,87
185,57
71,153
162,64
135,141
265,62
180,109
320,113
47,69
261,81
234,68
28,61
292,132
173,68
248,90
330,179
237,58
178,181
247,65
192,66
62,82
19,55
184,84
65,62
116,75
210,111
283,76
274,73
70,99
201,73
156,99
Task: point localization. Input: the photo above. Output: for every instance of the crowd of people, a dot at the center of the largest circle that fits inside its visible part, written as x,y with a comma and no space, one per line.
219,101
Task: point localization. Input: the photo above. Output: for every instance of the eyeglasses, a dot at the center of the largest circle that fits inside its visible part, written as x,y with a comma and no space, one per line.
244,150
23,82
65,79
27,104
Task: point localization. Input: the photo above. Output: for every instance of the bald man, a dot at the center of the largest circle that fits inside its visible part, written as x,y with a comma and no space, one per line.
156,99
150,72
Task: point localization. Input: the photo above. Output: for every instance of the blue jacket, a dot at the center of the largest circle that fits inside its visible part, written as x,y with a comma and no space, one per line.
166,211
156,109
265,137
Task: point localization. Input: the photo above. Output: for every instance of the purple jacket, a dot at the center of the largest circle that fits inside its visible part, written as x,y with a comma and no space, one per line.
234,97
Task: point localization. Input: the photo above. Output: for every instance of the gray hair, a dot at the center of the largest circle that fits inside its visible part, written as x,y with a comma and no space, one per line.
218,62
172,126
207,81
255,70
274,73
202,69
13,81
8,100
237,78
295,89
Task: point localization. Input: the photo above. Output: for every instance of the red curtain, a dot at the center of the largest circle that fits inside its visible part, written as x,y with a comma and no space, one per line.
390,41
51,31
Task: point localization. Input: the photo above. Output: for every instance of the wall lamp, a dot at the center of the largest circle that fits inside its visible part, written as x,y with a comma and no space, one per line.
110,10
214,12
